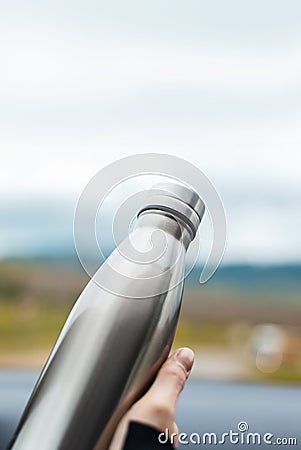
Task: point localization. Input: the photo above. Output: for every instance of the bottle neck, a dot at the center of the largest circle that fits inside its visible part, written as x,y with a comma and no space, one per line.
167,222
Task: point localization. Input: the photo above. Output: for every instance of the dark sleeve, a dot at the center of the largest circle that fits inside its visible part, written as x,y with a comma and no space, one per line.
145,437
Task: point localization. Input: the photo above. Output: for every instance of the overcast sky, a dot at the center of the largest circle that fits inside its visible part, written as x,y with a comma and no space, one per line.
217,83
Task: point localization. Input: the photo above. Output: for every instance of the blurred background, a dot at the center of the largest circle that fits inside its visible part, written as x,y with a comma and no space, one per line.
217,83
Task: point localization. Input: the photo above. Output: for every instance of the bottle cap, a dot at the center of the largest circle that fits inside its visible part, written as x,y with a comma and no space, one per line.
178,200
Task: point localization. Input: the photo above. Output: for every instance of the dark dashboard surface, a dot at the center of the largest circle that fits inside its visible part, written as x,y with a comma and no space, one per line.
204,407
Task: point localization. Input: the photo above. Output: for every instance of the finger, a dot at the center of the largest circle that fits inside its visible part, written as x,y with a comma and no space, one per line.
171,377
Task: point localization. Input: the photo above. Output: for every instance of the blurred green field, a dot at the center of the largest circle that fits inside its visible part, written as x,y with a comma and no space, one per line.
30,326
219,323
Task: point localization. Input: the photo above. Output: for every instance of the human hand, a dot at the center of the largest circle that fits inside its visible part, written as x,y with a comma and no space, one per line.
157,407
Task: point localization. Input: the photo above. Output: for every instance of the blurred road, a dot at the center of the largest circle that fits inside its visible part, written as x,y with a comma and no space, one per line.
204,406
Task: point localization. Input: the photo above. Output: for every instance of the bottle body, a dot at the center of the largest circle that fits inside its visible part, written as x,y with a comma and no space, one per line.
112,344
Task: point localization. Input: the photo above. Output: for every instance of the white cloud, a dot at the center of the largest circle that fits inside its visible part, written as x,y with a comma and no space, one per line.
42,68
220,88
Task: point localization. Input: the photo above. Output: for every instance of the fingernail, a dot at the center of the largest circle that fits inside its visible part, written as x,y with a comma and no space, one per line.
185,356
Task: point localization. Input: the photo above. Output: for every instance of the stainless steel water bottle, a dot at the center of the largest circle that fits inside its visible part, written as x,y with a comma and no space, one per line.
119,332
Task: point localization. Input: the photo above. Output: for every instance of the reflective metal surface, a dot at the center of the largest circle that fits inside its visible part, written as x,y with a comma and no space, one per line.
117,336
178,200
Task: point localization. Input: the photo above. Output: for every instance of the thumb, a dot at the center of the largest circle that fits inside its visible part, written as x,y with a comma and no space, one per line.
171,378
